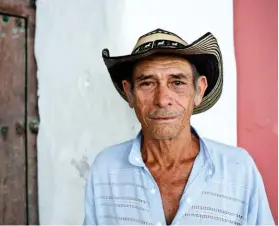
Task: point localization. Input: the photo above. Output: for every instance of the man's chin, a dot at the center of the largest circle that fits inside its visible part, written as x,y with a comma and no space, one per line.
164,132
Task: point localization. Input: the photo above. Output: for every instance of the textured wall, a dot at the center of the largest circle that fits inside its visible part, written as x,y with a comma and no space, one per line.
257,67
80,111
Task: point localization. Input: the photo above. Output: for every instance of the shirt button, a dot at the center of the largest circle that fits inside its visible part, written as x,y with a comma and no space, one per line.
137,159
189,200
152,191
210,172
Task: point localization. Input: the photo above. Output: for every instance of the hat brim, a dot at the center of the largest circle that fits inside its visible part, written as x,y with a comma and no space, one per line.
204,53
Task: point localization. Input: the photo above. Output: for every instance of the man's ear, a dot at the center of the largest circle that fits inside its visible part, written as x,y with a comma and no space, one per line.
200,90
127,87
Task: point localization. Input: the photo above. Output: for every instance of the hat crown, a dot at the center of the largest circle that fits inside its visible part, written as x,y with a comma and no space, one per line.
159,31
158,38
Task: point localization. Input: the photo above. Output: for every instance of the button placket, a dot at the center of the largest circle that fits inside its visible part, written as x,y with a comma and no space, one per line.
193,192
157,215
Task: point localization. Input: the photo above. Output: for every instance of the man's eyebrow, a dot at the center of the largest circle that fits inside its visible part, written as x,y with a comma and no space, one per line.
180,76
143,77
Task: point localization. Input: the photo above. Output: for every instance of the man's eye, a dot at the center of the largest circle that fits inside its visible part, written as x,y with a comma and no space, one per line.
178,83
146,84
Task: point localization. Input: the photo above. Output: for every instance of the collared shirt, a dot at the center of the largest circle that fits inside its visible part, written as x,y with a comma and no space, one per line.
224,187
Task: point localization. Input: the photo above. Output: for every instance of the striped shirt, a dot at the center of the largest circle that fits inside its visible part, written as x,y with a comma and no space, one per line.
224,187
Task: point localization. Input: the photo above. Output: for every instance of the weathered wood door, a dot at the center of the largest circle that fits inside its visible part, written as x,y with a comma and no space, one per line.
18,170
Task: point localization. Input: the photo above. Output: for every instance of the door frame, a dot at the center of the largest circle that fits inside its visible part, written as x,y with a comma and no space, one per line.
27,10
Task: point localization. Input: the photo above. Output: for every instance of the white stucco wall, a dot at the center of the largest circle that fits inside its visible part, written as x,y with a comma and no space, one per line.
80,111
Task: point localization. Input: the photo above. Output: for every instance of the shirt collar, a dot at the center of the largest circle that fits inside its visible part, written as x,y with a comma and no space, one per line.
135,157
204,149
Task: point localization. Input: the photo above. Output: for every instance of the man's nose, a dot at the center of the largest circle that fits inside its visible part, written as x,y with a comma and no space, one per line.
162,96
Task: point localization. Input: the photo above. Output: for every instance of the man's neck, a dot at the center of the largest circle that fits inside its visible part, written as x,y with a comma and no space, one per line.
170,153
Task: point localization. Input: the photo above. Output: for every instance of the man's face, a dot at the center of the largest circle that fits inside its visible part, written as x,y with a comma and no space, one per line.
163,96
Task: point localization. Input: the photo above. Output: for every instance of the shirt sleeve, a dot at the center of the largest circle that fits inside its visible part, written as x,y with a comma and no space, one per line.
89,204
259,210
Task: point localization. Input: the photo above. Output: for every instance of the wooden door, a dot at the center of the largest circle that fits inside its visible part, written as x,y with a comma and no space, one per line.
18,169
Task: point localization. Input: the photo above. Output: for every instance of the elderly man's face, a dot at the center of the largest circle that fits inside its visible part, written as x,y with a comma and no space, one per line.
164,95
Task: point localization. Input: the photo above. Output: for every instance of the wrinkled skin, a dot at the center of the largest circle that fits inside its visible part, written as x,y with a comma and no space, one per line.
163,98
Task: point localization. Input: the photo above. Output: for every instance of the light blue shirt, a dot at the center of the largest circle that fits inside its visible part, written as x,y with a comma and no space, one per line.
225,187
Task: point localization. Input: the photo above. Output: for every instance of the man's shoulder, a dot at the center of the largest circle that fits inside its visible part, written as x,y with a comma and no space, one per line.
233,164
113,156
229,153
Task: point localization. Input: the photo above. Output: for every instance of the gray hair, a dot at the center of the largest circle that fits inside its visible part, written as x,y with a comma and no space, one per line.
196,75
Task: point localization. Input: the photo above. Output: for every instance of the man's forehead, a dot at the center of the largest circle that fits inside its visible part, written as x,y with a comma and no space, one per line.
163,58
163,62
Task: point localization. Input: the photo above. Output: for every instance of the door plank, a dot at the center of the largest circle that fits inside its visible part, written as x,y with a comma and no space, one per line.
12,115
27,10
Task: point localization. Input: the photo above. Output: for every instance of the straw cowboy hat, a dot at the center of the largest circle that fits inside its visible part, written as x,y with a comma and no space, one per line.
204,53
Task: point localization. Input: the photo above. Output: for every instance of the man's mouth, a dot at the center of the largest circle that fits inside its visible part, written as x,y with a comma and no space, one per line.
164,119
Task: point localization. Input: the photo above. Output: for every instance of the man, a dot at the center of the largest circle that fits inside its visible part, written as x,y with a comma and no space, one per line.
168,174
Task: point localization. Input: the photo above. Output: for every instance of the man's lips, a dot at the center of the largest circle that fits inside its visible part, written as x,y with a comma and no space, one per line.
163,119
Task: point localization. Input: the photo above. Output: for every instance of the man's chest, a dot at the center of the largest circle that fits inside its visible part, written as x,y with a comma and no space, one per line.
171,185
130,196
